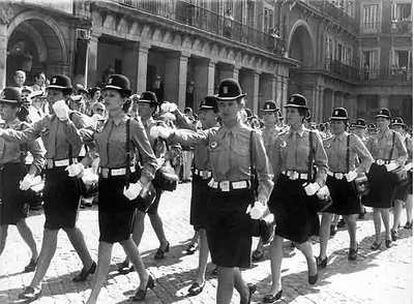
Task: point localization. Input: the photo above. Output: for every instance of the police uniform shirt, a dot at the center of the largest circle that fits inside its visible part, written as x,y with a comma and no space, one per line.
229,153
408,141
380,146
11,152
111,145
292,152
57,136
336,150
158,146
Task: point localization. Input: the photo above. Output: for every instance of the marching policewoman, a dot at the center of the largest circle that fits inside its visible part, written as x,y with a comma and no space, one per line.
232,148
120,143
14,177
388,149
200,192
344,152
296,150
269,134
61,192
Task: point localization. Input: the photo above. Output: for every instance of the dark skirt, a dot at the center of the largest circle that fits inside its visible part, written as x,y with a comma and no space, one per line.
199,201
295,218
14,206
229,228
153,209
382,188
61,196
344,197
116,212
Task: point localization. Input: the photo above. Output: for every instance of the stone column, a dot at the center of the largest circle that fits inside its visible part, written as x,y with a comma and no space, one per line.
279,89
92,62
141,83
3,55
383,101
255,99
273,85
204,79
182,79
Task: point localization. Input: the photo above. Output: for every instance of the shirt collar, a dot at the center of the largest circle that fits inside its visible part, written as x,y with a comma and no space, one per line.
341,136
299,132
117,121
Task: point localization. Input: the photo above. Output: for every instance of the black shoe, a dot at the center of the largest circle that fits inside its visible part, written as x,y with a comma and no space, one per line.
196,288
408,225
214,272
312,279
376,246
160,254
141,293
252,290
341,223
388,243
83,275
30,293
394,235
191,248
31,266
352,255
333,230
321,263
122,266
270,299
266,231
257,255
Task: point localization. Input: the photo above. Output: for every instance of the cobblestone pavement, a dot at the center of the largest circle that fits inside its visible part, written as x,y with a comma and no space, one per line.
383,276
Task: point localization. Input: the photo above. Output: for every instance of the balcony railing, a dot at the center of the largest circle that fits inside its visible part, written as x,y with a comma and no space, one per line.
209,21
370,27
401,75
342,70
401,26
335,12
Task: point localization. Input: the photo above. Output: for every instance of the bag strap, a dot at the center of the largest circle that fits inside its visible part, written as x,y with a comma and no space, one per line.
348,139
310,157
127,148
392,148
252,165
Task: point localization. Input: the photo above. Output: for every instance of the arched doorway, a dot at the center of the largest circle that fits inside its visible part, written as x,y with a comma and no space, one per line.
35,44
301,45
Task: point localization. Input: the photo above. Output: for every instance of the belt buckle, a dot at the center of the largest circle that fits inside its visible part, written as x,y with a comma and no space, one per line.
225,186
380,162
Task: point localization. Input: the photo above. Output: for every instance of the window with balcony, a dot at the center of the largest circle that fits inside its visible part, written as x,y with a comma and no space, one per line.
267,20
370,18
402,64
370,64
401,12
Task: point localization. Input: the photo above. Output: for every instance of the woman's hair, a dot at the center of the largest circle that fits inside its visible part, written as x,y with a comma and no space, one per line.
127,103
305,113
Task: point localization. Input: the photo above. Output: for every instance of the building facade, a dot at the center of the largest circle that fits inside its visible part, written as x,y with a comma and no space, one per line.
353,53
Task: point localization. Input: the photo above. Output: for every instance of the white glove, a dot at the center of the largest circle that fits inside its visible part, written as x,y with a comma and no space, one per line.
89,177
311,188
154,132
75,169
351,175
164,132
323,193
391,166
61,110
257,211
133,190
168,107
26,182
